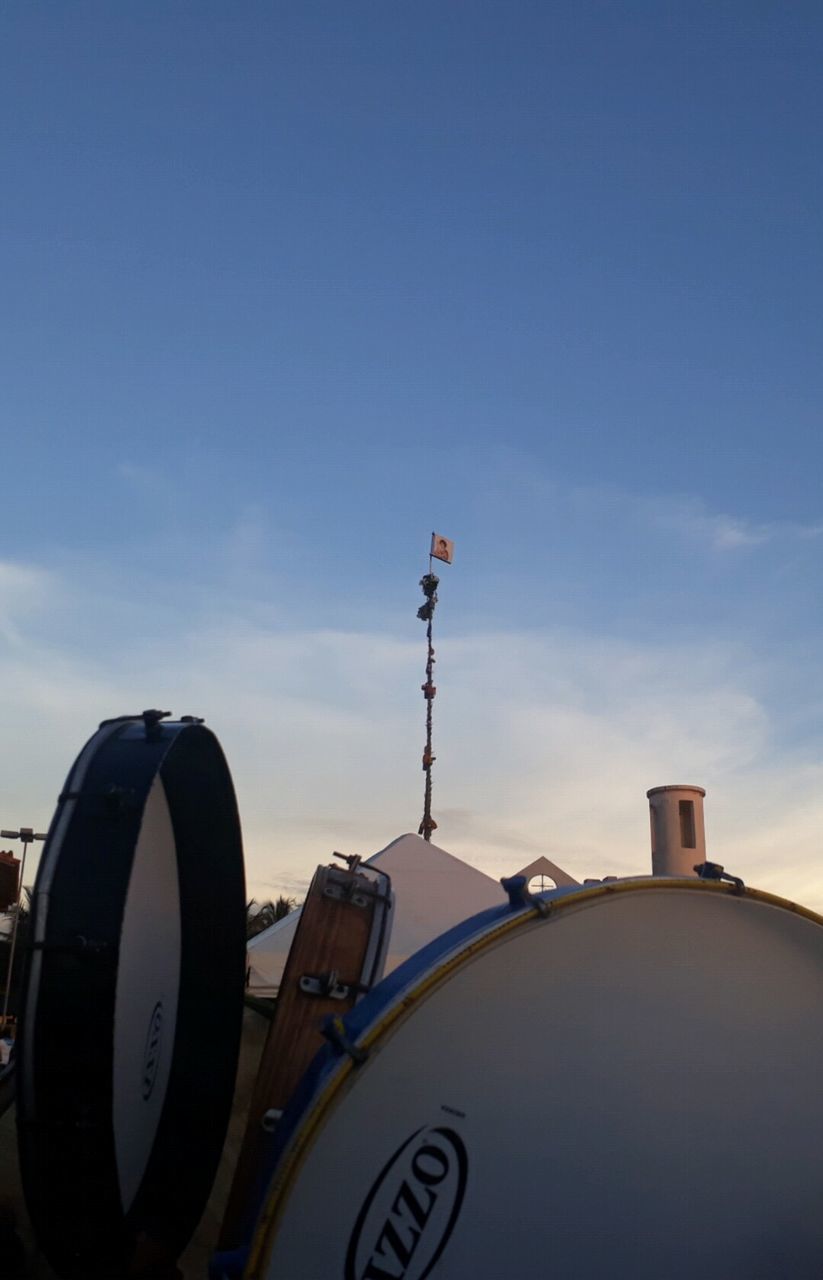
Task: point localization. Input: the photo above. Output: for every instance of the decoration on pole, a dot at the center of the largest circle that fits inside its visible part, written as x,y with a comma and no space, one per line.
441,549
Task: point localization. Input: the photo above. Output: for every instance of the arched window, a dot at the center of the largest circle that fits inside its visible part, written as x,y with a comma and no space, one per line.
540,883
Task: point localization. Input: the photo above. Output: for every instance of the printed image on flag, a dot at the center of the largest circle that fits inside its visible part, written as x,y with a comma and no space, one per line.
442,548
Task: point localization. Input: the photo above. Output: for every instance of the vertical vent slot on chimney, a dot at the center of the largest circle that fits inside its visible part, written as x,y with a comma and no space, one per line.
687,838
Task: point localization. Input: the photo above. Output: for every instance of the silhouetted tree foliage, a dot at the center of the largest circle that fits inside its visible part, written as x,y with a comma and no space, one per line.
260,915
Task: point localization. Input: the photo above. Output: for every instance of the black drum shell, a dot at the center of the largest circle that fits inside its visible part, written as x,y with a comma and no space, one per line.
66,1054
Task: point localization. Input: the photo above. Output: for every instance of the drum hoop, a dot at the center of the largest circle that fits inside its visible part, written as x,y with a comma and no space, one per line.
404,1001
174,744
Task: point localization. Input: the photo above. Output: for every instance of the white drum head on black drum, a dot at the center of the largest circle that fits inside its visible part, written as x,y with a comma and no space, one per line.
134,999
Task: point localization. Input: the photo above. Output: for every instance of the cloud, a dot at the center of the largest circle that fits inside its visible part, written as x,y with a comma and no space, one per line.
247,540
720,531
25,591
583,727
546,740
726,534
150,484
282,881
683,517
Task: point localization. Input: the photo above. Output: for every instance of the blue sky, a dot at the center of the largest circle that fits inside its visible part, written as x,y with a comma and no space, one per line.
287,286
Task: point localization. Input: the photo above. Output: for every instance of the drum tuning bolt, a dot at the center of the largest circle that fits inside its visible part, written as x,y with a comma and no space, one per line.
352,860
714,871
151,719
334,1029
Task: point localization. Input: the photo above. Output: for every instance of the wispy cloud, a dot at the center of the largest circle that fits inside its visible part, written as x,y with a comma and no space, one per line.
151,484
681,516
25,590
726,534
547,741
720,531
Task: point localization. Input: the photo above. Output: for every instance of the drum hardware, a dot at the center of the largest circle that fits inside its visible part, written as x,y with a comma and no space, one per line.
326,984
343,894
714,871
347,886
151,719
352,860
334,1029
89,948
519,896
115,800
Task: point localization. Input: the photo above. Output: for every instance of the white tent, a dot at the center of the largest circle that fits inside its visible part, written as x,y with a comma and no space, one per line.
433,890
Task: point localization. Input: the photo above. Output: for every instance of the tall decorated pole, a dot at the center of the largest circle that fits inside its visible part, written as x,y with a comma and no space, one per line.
441,549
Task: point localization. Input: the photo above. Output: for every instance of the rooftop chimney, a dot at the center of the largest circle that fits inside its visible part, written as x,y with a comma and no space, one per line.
678,833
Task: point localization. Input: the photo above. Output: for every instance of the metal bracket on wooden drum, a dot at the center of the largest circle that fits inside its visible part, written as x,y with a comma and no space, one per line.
134,999
338,953
625,1085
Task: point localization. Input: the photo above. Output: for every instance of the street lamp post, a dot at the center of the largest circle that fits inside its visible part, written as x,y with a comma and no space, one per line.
27,835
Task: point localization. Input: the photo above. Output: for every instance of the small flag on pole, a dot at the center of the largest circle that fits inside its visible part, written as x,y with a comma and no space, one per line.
442,548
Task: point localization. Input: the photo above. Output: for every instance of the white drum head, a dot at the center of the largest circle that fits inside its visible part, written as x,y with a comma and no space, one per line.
145,1004
629,1087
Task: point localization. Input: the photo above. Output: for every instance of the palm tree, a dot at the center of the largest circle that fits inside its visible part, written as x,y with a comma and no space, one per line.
260,915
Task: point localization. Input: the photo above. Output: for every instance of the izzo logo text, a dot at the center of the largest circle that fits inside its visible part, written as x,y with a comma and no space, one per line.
411,1209
151,1055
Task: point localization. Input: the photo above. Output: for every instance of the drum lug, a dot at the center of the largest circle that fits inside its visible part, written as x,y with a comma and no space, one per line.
517,889
342,893
342,886
270,1120
714,871
325,984
152,722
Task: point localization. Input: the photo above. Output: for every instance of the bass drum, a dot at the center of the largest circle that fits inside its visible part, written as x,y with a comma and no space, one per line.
624,1081
134,999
